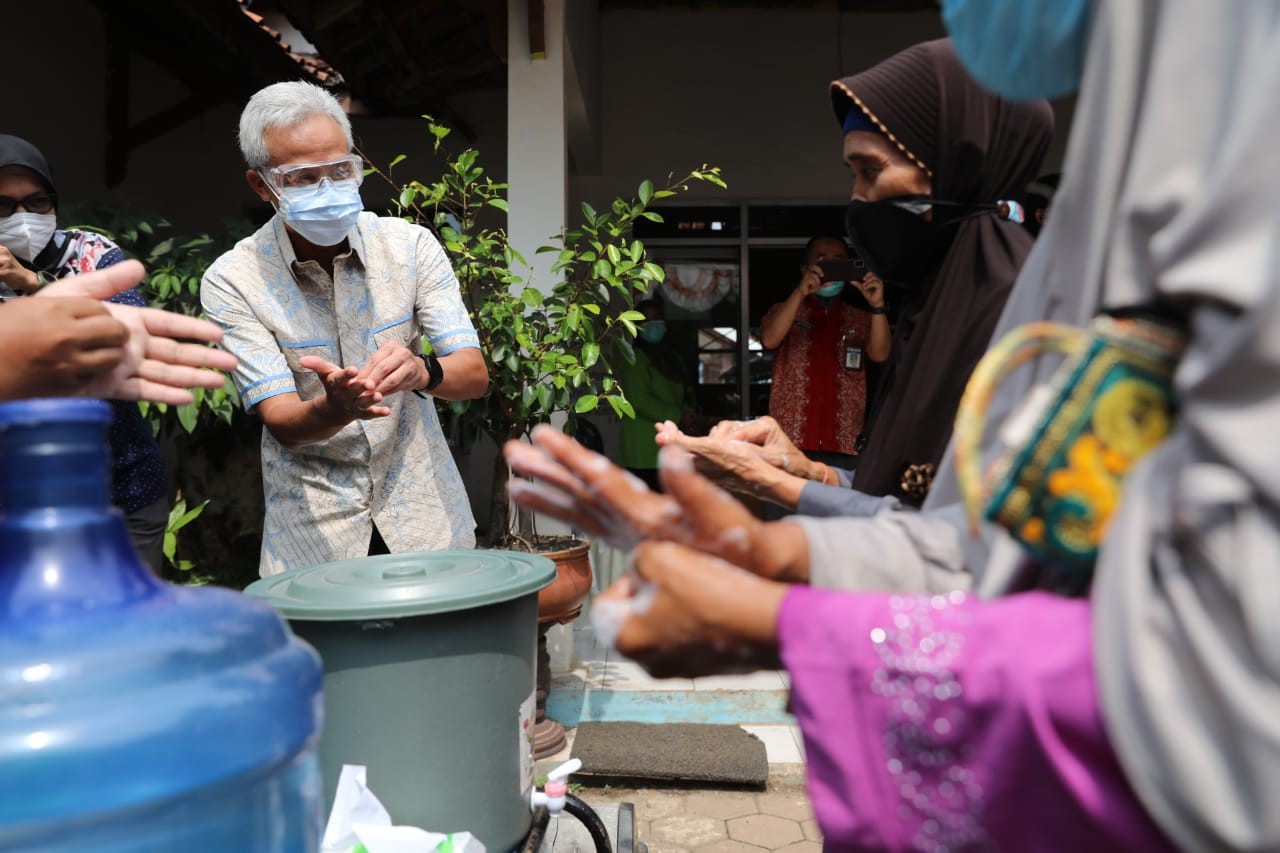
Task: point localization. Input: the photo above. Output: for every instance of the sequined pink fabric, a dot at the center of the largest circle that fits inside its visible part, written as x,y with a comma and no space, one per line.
941,723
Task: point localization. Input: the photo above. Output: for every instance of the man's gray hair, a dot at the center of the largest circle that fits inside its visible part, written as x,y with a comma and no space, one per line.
281,106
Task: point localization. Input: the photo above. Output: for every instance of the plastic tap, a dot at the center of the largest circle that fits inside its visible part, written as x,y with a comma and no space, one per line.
553,793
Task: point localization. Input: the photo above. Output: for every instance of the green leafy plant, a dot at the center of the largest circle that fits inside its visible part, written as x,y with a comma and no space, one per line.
180,517
550,346
175,265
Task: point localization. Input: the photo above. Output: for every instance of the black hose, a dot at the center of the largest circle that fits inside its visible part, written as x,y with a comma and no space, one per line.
533,841
588,818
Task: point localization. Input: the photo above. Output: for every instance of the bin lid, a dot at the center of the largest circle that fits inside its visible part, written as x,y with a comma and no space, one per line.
396,585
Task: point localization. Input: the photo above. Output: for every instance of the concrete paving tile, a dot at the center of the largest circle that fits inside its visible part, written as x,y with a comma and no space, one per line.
654,805
594,672
586,649
811,831
689,831
764,680
573,679
721,804
765,830
623,674
802,847
794,806
732,847
779,744
799,738
664,848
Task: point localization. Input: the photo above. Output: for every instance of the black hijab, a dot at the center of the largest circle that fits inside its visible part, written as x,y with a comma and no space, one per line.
16,151
977,148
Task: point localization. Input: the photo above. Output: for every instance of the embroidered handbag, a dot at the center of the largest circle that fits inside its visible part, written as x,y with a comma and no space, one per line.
1058,478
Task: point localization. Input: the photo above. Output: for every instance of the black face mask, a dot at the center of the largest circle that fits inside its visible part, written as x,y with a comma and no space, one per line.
895,241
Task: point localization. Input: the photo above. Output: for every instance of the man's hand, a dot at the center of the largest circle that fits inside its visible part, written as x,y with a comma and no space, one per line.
604,501
810,280
394,368
872,288
14,274
58,347
346,395
154,365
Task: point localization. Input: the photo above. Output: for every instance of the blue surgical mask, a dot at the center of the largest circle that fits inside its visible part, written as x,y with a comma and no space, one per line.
1019,49
324,214
653,331
830,289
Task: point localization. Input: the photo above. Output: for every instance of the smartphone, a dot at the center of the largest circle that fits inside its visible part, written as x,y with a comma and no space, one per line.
841,269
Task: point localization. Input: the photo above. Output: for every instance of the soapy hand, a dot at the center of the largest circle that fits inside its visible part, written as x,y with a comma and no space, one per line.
346,394
752,457
682,613
606,502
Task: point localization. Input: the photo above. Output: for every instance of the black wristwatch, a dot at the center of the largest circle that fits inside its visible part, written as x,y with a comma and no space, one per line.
435,373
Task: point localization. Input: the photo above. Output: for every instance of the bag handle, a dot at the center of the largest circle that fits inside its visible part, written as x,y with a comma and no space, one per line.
1014,349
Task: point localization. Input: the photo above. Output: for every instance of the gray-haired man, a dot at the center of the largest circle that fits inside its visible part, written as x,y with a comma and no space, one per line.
325,307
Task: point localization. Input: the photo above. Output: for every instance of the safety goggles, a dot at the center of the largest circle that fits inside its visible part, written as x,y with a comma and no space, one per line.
41,202
304,175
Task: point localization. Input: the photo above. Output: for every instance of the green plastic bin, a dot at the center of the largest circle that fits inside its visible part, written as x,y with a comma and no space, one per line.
429,672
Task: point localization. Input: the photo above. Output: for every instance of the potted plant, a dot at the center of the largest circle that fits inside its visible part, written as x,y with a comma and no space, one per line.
550,346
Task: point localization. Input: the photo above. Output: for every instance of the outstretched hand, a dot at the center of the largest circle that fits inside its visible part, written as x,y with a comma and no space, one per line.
684,613
154,364
346,394
752,457
603,501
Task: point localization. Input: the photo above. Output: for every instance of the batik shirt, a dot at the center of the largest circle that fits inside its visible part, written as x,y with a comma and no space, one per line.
394,284
819,403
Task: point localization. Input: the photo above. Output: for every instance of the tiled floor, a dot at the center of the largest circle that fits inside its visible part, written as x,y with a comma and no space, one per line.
603,685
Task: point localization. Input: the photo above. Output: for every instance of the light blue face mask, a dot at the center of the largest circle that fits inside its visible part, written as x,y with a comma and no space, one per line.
653,331
830,289
1020,49
324,214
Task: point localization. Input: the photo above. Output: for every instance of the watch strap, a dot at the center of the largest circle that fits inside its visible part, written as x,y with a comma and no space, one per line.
435,373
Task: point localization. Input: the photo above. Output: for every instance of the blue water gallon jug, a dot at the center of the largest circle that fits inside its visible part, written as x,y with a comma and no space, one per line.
135,715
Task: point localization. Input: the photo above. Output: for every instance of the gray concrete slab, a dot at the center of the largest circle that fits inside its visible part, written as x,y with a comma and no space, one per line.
567,835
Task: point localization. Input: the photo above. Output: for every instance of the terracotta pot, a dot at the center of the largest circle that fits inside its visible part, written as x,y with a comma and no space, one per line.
562,601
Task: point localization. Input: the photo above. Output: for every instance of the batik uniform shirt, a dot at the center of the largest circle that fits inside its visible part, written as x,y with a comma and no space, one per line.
819,403
138,475
394,284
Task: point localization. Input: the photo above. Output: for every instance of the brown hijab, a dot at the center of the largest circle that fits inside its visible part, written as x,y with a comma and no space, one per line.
977,148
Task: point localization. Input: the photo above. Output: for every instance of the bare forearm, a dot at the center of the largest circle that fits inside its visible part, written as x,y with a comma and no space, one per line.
785,553
296,422
465,375
776,325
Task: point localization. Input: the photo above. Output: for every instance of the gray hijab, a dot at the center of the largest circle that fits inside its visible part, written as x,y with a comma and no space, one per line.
1173,192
